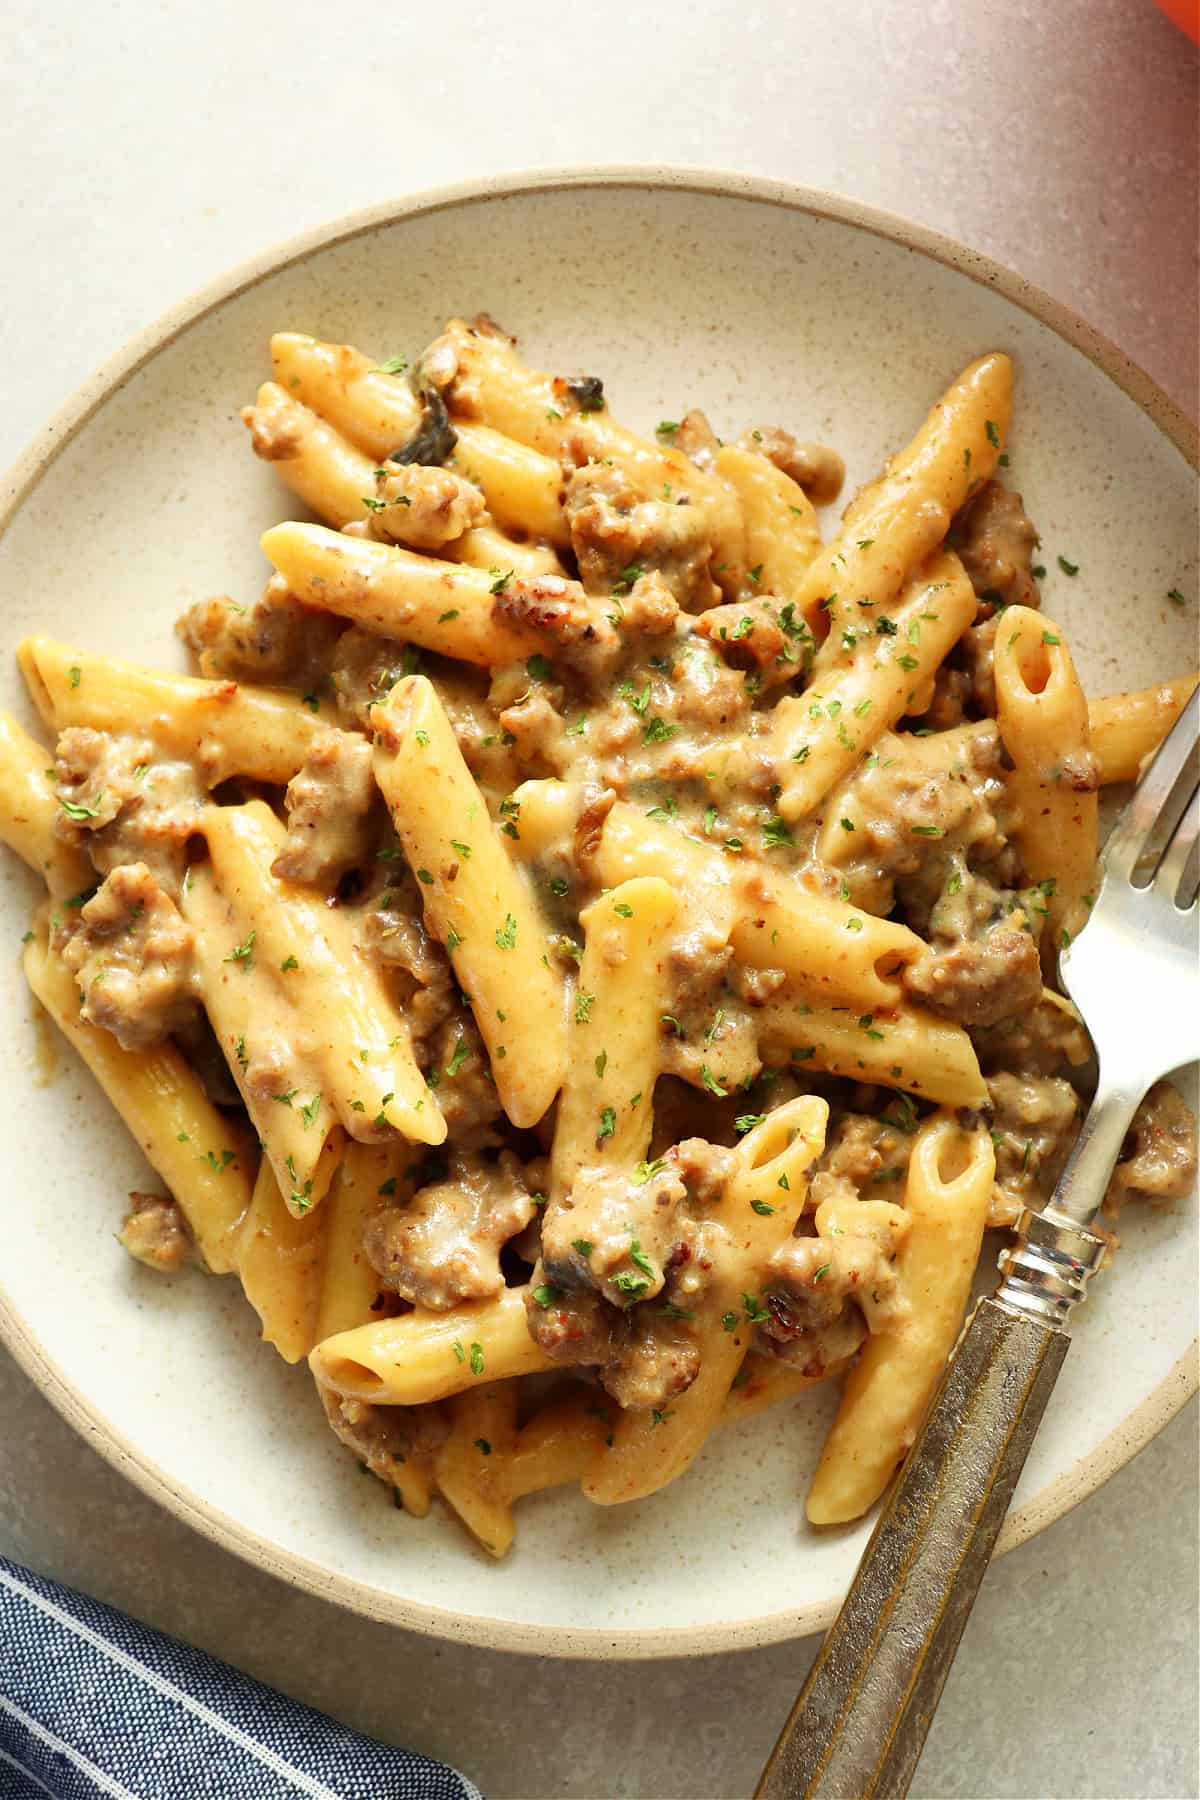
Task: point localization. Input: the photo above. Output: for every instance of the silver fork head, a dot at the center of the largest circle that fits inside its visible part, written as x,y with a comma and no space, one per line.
1133,972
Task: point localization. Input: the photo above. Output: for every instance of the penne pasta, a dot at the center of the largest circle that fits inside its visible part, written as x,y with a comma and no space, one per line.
280,1263
782,534
183,1137
606,1111
887,1391
1043,720
378,411
1125,729
819,736
441,606
892,525
368,1175
223,727
761,1205
905,1048
831,950
425,1356
28,808
476,902
473,1468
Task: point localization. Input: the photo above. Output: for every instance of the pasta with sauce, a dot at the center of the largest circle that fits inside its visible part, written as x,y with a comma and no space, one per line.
581,949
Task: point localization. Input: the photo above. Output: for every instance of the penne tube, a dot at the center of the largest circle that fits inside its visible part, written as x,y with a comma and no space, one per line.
28,809
1127,728
606,1112
378,411
425,1356
186,1141
483,547
947,1197
368,1176
473,1467
223,727
315,461
899,519
905,1048
563,1438
819,736
280,1263
337,482
302,983
1043,720
476,902
446,607
782,534
493,386
761,1205
831,951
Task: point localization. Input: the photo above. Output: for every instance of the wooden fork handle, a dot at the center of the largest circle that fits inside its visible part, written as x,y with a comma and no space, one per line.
858,1727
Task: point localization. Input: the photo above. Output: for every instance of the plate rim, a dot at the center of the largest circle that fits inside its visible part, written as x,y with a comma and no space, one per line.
1130,1435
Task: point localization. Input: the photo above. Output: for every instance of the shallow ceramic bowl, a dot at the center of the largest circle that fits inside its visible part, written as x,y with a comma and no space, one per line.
755,302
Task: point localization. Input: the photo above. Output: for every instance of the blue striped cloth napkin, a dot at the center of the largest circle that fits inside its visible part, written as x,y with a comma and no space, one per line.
92,1703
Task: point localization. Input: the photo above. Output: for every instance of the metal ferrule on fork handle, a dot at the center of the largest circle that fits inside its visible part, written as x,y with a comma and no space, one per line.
1047,1271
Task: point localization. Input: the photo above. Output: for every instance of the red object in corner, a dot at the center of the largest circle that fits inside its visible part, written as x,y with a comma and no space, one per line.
1185,14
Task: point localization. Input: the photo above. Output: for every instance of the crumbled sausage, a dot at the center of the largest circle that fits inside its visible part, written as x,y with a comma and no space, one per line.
1158,1161
976,982
133,959
443,1246
425,508
276,641
122,803
155,1233
333,811
995,543
1035,1121
816,468
617,535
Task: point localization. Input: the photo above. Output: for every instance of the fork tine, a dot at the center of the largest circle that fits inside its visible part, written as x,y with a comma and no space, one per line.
1153,792
1174,863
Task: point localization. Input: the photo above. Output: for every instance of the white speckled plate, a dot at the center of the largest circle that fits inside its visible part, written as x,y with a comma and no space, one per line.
754,301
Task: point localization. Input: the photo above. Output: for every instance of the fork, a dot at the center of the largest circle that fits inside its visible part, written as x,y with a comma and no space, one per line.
859,1725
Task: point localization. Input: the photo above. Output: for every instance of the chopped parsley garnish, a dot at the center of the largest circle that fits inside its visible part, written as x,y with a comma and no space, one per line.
502,577
629,574
601,1064
583,1245
776,835
646,1171
657,731
482,1445
424,877
75,810
762,1206
608,1124
459,1352
1067,566
395,365
510,813
388,1187
309,1113
545,1295
583,1006
885,627
822,1272
239,1051
659,1417
639,1259
538,668
75,675
634,1286
711,1083
477,1359
622,909
1176,598
422,737
289,962
667,427
458,1058
243,953
729,1321
929,831
506,935
867,1024
993,436
754,1310
464,850
710,819
747,1121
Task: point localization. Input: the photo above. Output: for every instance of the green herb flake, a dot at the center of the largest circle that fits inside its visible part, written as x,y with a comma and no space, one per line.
243,953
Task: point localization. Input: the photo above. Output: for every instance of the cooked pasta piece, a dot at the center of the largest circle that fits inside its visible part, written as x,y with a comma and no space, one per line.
946,1197
476,902
893,524
1043,719
225,728
1125,729
424,1356
280,1263
820,735
170,1117
760,1206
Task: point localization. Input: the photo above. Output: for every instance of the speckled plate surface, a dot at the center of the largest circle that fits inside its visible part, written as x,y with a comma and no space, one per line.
754,301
